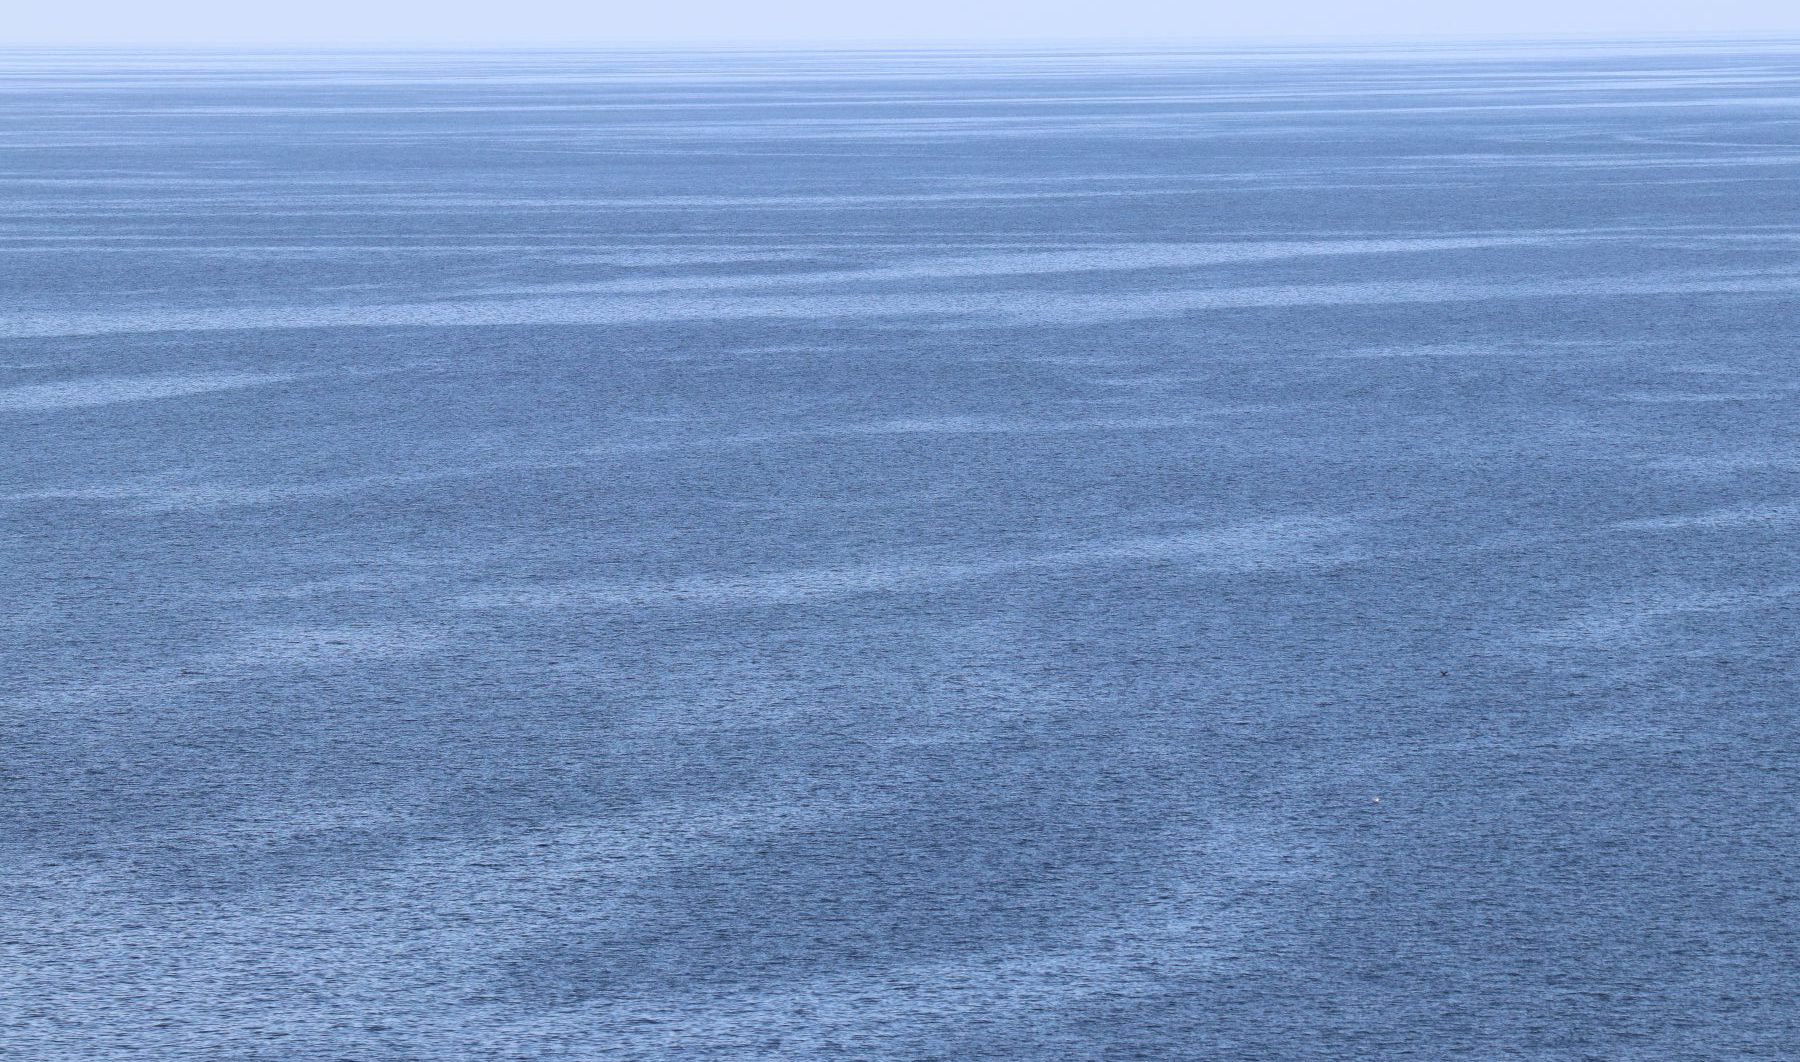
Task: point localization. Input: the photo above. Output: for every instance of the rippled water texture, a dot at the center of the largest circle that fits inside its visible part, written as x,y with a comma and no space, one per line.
911,555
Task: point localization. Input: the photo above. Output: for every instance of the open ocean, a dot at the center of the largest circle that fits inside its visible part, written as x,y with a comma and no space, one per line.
1058,554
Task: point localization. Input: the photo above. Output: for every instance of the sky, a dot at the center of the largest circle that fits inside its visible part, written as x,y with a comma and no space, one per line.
570,22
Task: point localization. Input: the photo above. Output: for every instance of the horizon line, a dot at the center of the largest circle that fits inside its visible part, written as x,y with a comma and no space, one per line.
805,44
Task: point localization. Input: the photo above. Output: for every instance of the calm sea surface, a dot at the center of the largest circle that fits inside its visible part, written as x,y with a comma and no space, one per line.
907,555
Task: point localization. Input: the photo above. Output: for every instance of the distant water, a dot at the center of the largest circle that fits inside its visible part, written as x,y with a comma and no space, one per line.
961,555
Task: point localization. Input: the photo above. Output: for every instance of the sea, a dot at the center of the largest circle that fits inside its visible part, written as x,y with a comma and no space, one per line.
1130,552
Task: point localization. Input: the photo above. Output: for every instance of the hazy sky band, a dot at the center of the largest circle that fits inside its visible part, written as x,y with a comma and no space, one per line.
468,23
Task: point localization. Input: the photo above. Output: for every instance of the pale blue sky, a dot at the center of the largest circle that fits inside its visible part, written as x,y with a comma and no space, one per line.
477,22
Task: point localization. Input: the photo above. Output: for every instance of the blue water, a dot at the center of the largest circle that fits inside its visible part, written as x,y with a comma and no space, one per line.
915,555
